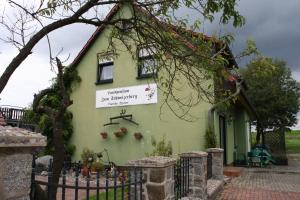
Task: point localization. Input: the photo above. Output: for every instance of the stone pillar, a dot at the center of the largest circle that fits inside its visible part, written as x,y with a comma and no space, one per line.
158,174
16,148
217,163
198,171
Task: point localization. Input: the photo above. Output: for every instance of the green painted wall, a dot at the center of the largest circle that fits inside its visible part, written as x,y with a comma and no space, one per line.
230,140
241,133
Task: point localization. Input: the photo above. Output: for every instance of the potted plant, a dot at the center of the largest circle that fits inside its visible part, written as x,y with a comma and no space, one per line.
119,134
104,135
97,166
87,157
124,130
138,135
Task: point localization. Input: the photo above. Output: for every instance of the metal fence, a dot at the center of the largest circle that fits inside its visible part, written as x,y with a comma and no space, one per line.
111,184
209,166
15,117
182,177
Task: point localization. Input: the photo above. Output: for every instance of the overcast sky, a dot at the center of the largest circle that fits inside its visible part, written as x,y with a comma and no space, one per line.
273,24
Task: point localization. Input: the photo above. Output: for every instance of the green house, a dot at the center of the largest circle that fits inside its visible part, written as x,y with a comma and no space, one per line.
117,93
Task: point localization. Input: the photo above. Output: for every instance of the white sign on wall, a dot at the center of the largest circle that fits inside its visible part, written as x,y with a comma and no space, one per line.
134,95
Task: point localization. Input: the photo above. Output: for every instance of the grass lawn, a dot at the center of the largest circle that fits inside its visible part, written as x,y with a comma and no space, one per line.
292,141
292,145
111,194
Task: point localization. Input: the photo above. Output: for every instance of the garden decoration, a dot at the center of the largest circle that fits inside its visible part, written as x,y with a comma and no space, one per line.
120,133
138,135
121,116
104,135
124,130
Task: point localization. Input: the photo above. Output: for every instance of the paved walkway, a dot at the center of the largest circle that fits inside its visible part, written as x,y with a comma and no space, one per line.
275,183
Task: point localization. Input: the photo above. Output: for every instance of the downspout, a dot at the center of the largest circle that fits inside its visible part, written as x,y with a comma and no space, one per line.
238,87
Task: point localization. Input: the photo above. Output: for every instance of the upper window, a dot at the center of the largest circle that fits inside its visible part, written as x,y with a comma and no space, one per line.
105,70
146,62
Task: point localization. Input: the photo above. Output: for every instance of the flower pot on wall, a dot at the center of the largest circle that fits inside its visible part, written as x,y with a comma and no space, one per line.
119,134
124,130
104,135
138,136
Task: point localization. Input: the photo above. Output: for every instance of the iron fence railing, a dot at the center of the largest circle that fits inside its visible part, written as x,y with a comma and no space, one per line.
209,166
16,117
182,177
123,183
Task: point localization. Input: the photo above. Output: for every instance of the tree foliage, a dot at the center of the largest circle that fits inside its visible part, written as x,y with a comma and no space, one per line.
274,93
52,100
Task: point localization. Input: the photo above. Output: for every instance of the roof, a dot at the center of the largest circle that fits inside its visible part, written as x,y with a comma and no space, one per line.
174,28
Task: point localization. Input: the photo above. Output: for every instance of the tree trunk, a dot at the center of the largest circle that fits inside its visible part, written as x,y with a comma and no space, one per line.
59,153
260,132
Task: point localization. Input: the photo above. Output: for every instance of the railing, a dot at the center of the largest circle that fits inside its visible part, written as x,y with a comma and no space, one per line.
111,184
209,166
12,113
182,177
15,117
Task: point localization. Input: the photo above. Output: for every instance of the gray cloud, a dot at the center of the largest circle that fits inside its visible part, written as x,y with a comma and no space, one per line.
275,26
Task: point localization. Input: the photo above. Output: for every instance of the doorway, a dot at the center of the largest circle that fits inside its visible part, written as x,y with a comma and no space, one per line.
223,139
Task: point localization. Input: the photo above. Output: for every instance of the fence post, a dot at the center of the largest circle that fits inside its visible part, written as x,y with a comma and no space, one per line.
198,179
16,149
158,174
217,163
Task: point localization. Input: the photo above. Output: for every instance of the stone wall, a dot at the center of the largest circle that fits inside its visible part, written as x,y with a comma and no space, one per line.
158,173
16,149
198,176
217,163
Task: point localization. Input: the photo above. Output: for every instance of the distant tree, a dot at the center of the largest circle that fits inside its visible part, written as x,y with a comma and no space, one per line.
273,92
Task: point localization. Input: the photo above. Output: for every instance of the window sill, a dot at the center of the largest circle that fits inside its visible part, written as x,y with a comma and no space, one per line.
104,82
144,76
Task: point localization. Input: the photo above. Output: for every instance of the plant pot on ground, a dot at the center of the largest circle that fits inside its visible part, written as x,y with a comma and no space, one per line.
138,135
97,166
85,171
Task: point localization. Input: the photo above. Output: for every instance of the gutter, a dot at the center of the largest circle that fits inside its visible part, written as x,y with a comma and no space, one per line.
238,87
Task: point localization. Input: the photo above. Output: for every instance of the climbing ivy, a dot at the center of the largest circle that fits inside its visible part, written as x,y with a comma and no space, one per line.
71,78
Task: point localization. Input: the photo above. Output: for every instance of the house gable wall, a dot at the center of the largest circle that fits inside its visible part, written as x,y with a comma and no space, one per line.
153,121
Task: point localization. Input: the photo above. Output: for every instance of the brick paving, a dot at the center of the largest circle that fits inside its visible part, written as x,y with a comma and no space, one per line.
265,184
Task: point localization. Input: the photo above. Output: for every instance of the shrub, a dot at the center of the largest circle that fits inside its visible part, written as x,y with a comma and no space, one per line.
86,155
210,138
161,148
97,166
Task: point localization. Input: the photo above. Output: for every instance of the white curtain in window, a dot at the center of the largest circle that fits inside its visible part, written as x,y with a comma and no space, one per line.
107,72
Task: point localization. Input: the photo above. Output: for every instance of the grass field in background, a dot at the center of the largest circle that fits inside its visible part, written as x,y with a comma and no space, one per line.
292,141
